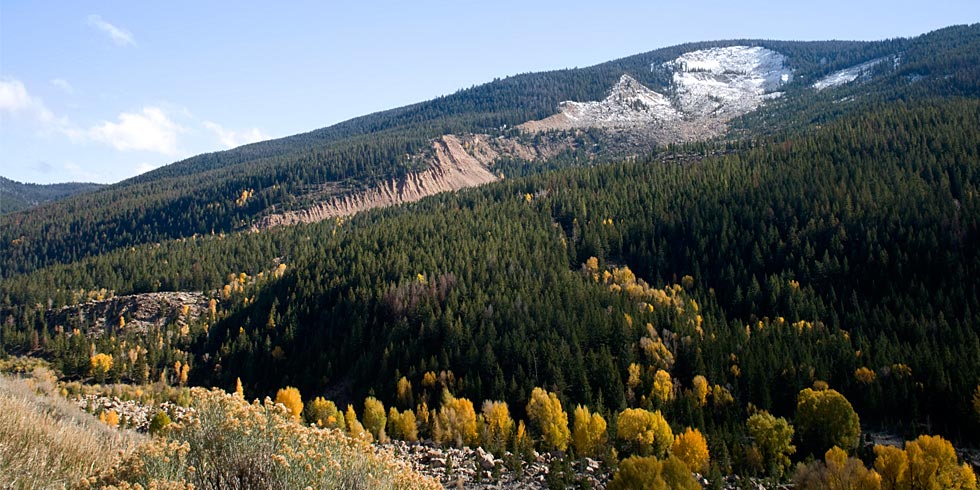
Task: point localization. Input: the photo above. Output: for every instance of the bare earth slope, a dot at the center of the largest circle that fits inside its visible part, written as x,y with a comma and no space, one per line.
457,162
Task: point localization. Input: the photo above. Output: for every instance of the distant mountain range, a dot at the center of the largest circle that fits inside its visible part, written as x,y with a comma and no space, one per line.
15,196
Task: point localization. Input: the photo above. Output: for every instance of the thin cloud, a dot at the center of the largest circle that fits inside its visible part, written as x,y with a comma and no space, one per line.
120,36
231,139
15,100
63,85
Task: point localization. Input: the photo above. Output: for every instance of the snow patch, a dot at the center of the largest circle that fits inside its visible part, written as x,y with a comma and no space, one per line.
728,81
629,102
848,75
708,88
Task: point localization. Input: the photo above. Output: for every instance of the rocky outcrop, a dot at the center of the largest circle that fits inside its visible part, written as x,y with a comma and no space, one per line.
138,311
132,413
708,88
628,105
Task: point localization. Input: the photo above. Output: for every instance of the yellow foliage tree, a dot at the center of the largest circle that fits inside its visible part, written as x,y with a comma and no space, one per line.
422,417
826,419
182,376
700,388
836,472
691,447
591,268
354,427
589,433
522,442
632,381
99,366
404,392
864,375
663,387
932,464
642,432
497,426
429,380
893,465
375,419
455,423
324,413
110,418
401,425
292,400
545,412
239,390
721,397
649,472
773,438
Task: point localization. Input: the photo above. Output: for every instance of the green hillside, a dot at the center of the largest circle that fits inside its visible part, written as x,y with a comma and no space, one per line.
198,195
829,242
15,196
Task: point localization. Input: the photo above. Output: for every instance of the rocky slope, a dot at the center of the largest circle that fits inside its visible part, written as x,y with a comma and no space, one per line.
709,87
455,162
849,75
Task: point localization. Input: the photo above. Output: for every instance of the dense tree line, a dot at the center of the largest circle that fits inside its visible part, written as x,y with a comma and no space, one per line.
845,256
200,195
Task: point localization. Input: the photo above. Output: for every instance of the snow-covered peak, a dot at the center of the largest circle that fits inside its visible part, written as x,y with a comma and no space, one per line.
848,75
728,81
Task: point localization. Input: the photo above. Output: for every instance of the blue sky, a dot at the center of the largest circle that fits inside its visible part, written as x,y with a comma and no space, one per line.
101,91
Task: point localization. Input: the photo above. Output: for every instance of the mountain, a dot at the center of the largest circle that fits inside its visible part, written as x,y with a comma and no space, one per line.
357,159
15,196
758,217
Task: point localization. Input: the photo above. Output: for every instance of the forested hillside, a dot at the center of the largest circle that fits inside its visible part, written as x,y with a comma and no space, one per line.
15,196
771,298
204,193
796,259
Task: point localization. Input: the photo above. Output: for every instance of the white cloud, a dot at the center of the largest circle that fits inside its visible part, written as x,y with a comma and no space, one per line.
15,100
150,130
121,37
63,85
232,139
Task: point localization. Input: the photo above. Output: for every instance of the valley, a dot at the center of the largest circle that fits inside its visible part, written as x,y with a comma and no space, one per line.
708,266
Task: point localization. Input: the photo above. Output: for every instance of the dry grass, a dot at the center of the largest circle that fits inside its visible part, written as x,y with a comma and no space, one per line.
231,444
46,441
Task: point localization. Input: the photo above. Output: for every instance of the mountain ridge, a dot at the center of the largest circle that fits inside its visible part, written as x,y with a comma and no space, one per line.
201,194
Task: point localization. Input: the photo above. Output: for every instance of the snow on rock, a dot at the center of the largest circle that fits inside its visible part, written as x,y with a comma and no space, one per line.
709,87
848,75
729,81
628,102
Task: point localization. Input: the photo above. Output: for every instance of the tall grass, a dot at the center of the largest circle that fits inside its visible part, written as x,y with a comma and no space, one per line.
231,444
46,441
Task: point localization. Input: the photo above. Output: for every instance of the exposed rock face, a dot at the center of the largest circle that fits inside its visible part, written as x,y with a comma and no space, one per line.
628,105
457,162
140,311
727,82
709,87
